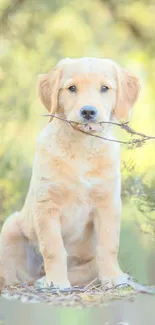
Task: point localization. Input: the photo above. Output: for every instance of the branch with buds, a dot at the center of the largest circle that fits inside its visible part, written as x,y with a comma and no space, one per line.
140,139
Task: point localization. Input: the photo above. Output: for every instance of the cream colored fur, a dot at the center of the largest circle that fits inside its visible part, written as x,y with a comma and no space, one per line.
68,229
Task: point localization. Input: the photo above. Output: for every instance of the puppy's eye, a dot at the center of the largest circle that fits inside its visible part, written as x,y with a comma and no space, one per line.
104,89
72,88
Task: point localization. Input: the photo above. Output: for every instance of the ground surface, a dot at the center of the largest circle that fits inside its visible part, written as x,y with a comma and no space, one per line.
79,297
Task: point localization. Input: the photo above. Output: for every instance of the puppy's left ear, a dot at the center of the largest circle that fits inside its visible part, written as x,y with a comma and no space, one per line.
128,88
48,89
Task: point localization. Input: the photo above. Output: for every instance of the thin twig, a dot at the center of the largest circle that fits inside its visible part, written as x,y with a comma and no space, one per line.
123,126
90,284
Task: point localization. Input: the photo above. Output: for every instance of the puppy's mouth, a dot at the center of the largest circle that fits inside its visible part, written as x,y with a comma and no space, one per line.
90,127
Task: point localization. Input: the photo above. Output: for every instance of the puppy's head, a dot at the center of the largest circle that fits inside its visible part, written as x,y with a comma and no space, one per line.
89,90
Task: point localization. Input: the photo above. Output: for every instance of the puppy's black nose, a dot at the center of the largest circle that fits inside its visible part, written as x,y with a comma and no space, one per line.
88,112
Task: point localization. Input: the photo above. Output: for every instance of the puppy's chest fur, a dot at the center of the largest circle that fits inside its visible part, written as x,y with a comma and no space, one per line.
80,174
81,180
83,171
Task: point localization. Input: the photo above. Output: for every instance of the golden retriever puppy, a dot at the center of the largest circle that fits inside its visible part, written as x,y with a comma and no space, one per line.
67,232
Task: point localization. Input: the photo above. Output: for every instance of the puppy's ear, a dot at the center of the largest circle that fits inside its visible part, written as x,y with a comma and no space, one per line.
48,89
128,88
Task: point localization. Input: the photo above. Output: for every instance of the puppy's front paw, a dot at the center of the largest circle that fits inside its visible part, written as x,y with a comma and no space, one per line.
42,283
122,280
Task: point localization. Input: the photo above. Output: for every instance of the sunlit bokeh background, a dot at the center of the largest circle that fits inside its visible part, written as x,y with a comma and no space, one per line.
34,36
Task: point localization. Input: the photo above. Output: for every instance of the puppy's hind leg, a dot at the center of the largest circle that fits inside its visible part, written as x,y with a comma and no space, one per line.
16,254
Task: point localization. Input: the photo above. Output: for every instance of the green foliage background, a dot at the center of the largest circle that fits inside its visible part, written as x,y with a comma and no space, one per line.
34,36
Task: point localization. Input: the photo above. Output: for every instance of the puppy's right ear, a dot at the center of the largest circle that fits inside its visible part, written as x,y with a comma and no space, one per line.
128,88
48,89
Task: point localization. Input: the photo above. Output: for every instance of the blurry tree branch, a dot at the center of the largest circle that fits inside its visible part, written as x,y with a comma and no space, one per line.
144,36
7,11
